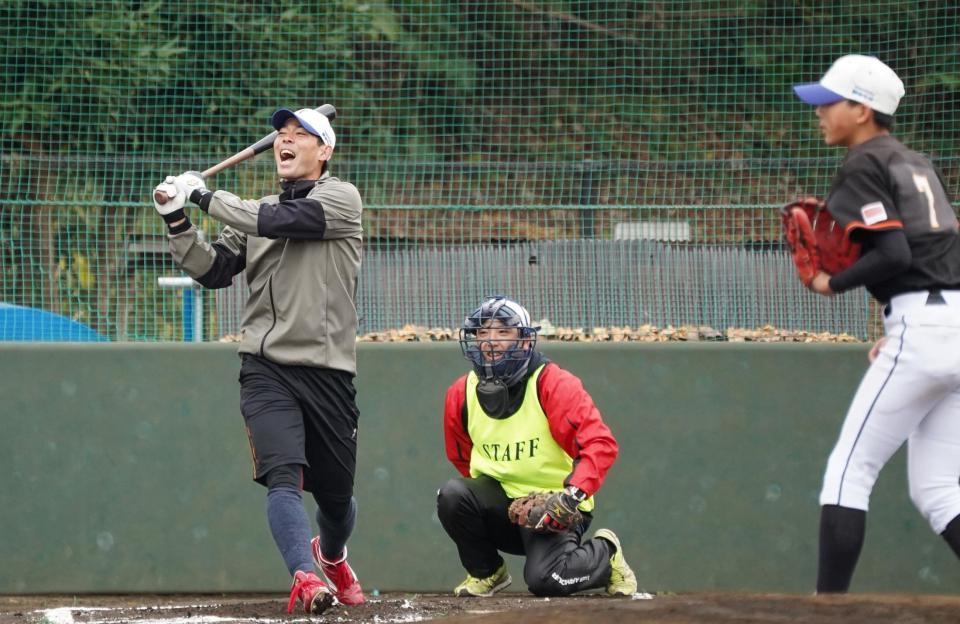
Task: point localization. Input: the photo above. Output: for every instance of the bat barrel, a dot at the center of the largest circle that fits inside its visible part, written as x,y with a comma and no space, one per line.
329,111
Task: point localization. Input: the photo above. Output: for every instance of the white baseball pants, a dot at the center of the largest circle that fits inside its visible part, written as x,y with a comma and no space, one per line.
911,393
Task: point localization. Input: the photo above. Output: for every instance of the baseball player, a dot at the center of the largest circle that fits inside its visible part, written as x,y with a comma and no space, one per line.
518,423
301,253
894,203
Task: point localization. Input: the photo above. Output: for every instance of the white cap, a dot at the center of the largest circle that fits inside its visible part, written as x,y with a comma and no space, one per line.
518,310
314,122
498,307
864,79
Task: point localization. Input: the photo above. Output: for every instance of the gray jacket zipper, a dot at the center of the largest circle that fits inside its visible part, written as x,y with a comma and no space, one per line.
273,310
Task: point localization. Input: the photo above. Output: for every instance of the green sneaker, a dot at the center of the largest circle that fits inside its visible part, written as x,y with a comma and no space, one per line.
484,587
623,582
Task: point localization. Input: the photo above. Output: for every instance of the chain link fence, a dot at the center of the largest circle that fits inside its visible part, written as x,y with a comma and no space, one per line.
609,163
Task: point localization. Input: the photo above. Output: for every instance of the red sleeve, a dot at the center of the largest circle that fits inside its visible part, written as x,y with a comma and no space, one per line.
578,428
455,436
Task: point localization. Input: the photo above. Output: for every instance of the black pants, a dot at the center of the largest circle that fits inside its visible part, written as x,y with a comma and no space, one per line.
474,514
302,415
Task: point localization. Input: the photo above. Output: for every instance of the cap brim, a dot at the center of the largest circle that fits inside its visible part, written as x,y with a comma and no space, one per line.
816,94
280,117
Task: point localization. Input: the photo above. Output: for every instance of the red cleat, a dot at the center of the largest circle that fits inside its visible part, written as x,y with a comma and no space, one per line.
342,578
311,591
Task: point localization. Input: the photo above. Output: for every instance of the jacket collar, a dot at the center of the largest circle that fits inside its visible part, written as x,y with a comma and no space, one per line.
295,189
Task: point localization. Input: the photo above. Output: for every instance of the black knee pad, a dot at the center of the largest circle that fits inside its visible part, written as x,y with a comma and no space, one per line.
286,476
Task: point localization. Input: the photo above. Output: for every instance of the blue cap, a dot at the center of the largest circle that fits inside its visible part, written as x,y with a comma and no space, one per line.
816,94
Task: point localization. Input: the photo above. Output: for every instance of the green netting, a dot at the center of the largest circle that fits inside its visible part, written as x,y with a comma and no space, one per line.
610,163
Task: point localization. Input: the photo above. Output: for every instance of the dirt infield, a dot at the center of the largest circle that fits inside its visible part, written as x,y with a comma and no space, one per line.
513,608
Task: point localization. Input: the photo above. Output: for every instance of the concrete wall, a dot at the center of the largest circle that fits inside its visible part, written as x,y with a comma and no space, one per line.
125,468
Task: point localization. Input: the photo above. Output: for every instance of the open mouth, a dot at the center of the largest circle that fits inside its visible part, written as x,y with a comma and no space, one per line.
286,155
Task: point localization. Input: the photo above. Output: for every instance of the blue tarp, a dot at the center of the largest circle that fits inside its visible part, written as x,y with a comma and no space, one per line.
19,323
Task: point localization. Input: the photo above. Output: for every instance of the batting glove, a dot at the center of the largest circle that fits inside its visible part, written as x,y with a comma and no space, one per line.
172,209
188,182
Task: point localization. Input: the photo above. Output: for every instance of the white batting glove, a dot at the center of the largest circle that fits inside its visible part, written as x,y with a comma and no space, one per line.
188,182
172,209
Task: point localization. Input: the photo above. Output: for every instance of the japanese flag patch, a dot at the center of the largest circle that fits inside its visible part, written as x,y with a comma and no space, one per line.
873,213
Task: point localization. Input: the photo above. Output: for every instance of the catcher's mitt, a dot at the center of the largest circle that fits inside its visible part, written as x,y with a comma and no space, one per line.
816,240
543,512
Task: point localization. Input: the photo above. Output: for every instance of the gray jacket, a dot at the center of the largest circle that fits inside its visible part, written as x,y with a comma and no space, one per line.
301,250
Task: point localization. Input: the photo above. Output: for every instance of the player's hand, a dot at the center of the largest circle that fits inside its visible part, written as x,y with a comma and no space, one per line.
875,349
544,511
188,182
561,513
821,284
172,209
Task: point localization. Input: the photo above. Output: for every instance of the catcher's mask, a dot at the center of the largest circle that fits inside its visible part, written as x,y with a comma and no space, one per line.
497,359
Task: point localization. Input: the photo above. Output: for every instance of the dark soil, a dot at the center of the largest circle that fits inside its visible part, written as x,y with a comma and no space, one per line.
513,608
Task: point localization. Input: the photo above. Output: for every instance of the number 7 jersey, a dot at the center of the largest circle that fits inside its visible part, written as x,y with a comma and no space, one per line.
883,185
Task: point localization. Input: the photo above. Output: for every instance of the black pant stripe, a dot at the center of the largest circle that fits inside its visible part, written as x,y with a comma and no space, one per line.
873,404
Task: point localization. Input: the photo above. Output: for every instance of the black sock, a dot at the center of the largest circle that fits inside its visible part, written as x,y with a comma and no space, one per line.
841,538
952,535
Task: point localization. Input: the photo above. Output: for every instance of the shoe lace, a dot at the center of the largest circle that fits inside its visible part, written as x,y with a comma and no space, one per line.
616,575
482,583
490,581
339,574
302,586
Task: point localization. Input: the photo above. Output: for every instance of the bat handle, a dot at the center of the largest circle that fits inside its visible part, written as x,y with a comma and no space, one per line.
161,198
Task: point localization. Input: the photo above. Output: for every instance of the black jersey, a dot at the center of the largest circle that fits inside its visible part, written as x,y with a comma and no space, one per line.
883,185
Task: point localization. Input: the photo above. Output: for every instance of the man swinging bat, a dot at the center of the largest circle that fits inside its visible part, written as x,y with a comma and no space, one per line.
301,253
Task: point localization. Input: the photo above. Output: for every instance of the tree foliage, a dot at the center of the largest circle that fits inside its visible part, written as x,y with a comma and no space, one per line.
452,103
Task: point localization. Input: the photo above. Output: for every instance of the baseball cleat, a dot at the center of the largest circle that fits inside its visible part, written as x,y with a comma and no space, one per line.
484,587
311,591
623,582
341,576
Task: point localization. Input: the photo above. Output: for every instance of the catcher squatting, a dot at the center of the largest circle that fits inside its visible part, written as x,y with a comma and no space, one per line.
532,449
530,445
888,225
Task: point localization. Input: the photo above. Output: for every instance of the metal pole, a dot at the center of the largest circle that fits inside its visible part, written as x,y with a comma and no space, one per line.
192,305
197,314
192,301
587,198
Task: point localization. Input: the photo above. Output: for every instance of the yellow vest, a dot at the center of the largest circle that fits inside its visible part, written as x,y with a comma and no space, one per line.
518,451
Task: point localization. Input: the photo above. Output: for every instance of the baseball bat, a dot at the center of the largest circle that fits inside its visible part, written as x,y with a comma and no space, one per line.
248,152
